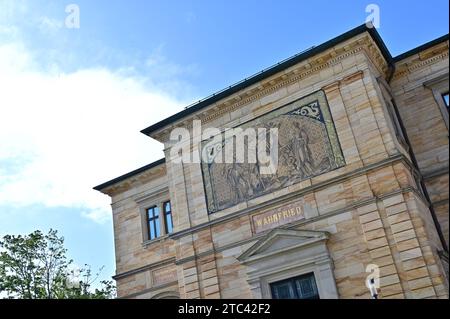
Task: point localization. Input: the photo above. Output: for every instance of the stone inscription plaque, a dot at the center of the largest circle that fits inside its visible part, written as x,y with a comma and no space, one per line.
279,216
307,147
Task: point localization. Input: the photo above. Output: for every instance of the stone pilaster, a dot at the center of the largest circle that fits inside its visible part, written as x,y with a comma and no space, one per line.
380,251
362,119
341,122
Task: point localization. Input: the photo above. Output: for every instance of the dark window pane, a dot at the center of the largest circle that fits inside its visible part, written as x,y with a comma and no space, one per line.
306,288
283,290
302,287
167,207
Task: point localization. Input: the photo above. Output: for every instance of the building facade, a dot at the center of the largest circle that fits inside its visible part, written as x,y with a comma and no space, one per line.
361,186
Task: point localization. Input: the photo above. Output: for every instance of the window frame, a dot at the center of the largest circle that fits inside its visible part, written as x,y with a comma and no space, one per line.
392,119
147,201
165,214
439,87
155,221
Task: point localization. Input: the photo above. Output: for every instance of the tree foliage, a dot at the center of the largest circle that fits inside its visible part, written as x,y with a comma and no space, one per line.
35,266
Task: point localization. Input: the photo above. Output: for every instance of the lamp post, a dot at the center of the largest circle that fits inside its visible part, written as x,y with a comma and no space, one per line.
373,288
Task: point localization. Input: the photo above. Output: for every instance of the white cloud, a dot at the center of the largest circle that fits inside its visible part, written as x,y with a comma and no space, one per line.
63,133
47,24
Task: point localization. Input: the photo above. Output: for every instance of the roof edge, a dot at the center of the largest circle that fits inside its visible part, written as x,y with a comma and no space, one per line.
129,174
421,48
280,66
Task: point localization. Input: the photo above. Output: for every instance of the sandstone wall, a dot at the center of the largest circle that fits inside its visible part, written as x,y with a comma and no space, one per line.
372,207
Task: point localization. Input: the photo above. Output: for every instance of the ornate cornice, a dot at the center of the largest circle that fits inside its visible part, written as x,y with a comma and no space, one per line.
421,60
128,183
285,78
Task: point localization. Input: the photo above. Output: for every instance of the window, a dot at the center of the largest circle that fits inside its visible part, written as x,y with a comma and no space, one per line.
439,88
154,228
156,214
445,98
303,287
168,223
156,219
394,122
303,253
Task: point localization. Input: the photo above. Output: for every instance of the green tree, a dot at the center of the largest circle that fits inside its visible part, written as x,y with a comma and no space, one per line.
35,266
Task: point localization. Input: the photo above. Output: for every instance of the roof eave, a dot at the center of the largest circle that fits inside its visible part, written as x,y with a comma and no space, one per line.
123,177
421,48
269,72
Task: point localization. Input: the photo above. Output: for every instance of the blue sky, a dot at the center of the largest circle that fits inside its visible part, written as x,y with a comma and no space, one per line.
73,100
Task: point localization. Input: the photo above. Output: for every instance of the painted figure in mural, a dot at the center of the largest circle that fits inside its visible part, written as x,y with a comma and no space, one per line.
304,149
303,158
254,180
236,178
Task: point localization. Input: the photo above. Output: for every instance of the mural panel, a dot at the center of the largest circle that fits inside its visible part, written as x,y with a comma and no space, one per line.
307,146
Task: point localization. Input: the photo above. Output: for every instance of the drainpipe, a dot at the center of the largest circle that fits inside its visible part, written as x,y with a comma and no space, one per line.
415,163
